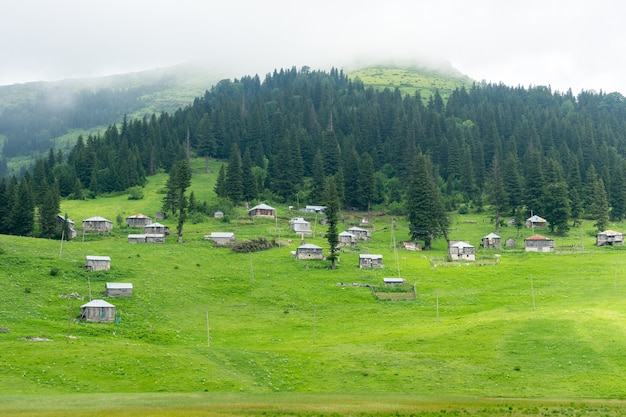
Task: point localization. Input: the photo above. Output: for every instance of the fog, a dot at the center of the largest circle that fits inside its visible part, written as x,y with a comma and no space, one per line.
563,44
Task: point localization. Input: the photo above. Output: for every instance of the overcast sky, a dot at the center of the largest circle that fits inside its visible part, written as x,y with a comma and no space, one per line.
564,44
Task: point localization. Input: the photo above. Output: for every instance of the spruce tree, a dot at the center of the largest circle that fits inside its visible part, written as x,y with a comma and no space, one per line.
331,201
221,189
21,219
48,211
494,184
366,181
249,180
234,177
426,215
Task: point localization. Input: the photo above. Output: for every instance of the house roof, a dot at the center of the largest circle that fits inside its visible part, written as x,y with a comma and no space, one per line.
492,236
155,224
610,233
97,303
461,245
97,219
136,236
537,237
222,234
393,280
358,229
63,218
138,216
536,219
346,233
262,207
309,246
299,220
370,256
119,285
97,258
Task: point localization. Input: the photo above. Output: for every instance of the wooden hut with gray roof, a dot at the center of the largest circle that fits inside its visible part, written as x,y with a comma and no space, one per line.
262,210
138,220
462,251
155,229
491,241
97,223
367,260
538,243
609,238
97,311
97,263
309,251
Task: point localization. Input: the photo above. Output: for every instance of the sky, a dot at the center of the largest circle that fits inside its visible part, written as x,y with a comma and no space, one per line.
562,44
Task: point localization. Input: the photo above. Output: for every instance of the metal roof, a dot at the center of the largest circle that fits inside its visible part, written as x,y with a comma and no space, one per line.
119,285
97,219
97,303
262,207
97,258
221,234
309,246
370,256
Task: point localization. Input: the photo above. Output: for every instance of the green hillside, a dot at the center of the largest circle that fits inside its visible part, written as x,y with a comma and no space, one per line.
207,320
411,80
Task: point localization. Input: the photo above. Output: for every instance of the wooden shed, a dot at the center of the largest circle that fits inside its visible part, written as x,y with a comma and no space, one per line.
138,220
70,225
370,261
491,241
535,221
309,251
97,311
538,243
609,238
146,238
98,223
462,251
347,238
393,281
510,243
119,289
314,209
221,238
299,225
218,215
360,233
98,263
262,210
156,228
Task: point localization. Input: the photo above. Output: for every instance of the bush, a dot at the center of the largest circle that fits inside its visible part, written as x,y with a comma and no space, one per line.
254,245
135,193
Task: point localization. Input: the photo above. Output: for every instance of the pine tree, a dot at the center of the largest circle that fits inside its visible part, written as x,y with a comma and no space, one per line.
367,181
175,199
205,140
234,177
494,184
331,201
249,180
318,180
426,215
556,198
221,189
21,219
599,208
48,211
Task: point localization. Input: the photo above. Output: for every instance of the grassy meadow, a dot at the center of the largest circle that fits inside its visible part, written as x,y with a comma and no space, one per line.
212,331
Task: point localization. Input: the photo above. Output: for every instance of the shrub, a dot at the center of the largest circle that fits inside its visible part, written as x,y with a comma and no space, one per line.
254,245
135,193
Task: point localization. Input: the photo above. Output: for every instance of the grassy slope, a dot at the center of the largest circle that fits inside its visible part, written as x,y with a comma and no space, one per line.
276,326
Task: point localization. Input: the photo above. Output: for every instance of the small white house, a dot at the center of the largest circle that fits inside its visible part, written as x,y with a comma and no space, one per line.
221,238
262,210
299,225
97,311
119,289
146,238
314,209
462,251
309,251
535,221
370,261
98,263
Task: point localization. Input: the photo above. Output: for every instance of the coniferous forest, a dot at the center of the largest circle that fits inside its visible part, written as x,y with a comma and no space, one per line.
508,150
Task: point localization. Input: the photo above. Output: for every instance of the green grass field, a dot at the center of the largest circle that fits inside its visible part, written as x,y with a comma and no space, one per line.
534,334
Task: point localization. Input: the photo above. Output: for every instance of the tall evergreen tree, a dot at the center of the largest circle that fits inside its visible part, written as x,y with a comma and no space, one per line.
556,198
494,184
318,179
48,211
599,208
234,176
22,219
426,215
331,201
221,189
248,179
175,199
366,181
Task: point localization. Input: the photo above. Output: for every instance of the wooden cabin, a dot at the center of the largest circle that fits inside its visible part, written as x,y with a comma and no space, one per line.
119,289
138,220
462,251
491,241
97,311
393,281
360,233
146,238
314,209
609,238
536,221
299,225
99,224
262,210
70,225
348,239
309,251
221,238
218,215
538,243
370,261
98,263
510,243
155,229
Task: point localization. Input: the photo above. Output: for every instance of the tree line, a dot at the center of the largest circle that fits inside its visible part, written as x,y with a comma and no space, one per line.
512,150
